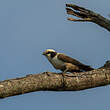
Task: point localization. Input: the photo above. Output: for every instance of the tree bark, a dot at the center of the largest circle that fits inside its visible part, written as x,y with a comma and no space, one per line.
87,15
49,81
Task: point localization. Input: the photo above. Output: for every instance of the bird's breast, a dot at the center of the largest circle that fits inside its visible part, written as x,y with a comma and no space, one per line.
58,64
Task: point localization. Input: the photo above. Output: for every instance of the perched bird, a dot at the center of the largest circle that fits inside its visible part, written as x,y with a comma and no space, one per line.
64,62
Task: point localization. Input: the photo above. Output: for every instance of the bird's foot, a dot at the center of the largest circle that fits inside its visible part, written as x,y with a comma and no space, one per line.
63,74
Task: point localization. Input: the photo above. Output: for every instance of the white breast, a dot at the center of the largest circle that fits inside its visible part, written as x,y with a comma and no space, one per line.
56,62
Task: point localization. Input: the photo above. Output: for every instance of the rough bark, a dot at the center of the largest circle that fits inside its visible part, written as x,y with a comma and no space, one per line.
49,81
87,15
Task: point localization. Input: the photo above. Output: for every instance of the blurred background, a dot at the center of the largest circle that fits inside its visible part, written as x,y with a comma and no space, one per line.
28,27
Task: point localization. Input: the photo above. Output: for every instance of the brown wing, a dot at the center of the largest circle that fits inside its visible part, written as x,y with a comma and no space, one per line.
68,59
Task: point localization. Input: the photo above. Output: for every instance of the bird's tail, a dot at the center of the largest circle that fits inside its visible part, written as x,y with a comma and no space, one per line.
87,68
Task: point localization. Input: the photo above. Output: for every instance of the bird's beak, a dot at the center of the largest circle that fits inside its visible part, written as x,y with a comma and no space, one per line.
44,53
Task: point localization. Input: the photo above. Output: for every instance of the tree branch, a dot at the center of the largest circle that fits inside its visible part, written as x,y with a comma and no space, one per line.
87,15
49,81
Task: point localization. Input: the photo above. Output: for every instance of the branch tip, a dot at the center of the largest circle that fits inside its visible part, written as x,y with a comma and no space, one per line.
79,20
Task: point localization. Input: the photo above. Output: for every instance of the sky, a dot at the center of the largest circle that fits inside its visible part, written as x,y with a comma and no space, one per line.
29,27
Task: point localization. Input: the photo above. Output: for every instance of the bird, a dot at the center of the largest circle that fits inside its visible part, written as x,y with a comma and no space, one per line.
65,63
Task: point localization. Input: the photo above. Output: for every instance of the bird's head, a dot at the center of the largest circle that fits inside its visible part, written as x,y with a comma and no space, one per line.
49,53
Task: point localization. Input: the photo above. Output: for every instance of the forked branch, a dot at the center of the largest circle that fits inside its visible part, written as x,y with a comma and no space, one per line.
86,15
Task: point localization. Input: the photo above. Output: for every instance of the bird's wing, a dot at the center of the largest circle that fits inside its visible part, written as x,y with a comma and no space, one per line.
68,59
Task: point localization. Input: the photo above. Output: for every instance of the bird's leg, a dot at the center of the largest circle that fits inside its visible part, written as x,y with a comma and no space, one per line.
63,73
65,70
66,66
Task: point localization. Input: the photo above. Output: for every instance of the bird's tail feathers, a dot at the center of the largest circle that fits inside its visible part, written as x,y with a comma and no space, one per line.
87,68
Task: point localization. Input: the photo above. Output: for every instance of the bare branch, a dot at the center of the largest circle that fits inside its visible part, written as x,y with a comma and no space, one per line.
49,81
87,15
81,20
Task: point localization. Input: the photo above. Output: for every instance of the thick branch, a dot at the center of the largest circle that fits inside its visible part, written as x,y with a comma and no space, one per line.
48,81
87,15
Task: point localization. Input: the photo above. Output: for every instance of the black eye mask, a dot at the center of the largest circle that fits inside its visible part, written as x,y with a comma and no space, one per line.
53,54
48,52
